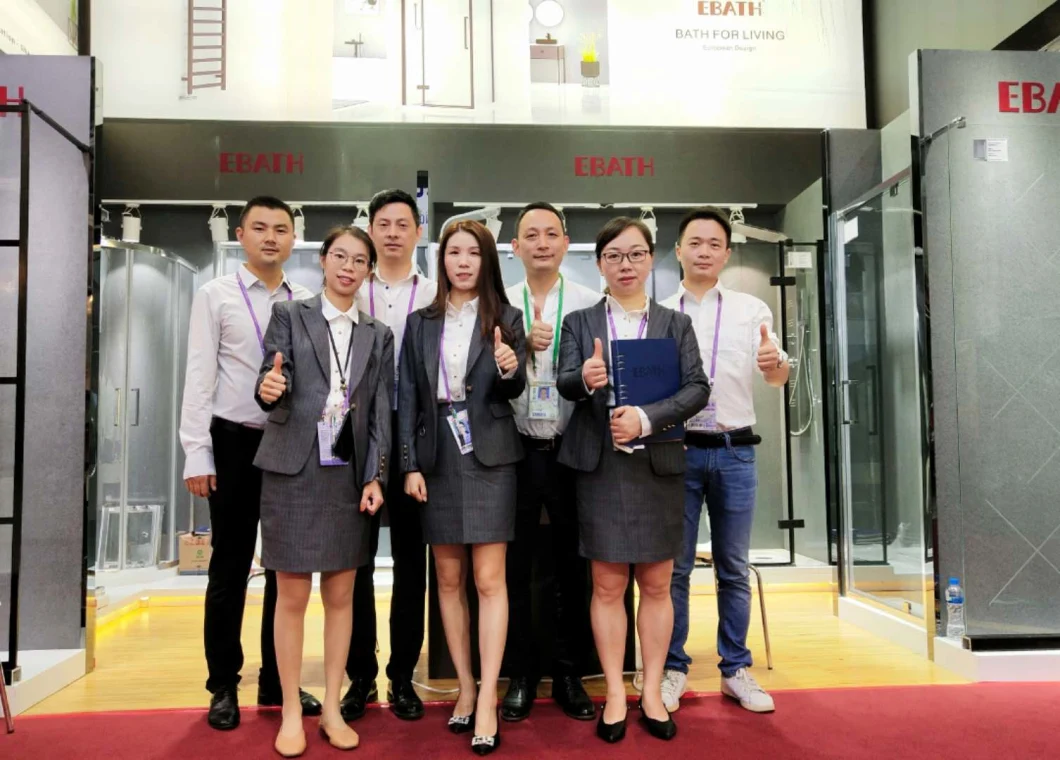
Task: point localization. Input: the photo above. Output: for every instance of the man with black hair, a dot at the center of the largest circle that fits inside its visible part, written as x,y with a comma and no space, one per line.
395,289
545,296
221,426
735,335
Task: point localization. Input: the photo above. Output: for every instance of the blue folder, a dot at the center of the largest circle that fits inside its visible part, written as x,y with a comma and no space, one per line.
647,371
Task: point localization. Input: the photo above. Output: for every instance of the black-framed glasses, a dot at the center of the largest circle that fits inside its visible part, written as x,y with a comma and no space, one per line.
358,262
615,256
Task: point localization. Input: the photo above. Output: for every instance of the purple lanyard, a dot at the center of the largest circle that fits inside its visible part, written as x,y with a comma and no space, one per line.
253,316
717,332
614,332
412,295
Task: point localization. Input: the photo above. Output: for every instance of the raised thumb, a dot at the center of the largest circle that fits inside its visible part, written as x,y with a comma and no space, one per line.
765,333
598,349
497,342
277,362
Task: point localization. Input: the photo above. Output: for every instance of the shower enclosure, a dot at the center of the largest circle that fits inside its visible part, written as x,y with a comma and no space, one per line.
142,302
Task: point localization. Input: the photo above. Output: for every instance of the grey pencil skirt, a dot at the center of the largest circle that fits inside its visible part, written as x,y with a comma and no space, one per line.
467,502
311,522
626,513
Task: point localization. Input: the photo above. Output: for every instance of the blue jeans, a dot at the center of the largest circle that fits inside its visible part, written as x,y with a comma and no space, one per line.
726,479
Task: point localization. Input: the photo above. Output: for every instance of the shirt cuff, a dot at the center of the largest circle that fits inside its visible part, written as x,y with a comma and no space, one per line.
585,385
645,423
506,375
199,463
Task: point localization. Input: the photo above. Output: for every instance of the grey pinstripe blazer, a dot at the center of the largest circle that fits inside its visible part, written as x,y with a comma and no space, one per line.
587,430
299,330
488,396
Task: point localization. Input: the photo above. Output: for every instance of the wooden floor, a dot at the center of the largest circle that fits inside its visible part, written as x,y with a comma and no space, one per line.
152,657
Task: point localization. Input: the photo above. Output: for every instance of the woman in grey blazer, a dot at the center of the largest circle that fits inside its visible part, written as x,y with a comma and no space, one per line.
630,494
462,362
326,382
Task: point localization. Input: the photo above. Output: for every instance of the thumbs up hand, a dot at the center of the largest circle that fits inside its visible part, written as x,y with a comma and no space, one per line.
541,333
594,371
507,361
274,384
768,353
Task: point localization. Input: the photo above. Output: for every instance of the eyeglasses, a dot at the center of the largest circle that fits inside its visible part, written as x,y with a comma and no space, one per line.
359,262
615,256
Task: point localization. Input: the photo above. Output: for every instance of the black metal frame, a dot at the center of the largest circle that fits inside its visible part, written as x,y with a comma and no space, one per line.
24,109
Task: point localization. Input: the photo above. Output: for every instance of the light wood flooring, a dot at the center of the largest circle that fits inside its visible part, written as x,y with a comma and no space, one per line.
152,657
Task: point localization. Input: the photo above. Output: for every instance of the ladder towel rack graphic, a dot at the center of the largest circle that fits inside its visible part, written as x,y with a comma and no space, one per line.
207,45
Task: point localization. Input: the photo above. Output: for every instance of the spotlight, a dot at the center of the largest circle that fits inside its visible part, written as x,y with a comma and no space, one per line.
130,223
299,222
219,224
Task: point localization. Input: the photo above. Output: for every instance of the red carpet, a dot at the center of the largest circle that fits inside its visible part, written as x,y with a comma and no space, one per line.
1008,721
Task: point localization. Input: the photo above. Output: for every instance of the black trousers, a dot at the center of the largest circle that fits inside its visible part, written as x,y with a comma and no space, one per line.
235,508
409,594
543,482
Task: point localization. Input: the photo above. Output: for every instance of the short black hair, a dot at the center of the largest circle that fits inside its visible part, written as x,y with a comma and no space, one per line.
540,206
616,227
264,201
710,213
387,197
348,229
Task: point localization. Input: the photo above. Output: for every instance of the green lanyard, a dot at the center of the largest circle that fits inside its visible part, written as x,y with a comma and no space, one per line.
528,312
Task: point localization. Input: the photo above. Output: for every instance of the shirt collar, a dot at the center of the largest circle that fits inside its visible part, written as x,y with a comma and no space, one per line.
413,272
471,307
554,289
250,279
331,311
616,307
683,292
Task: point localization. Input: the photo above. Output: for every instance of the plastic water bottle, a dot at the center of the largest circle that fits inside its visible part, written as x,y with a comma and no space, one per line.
954,610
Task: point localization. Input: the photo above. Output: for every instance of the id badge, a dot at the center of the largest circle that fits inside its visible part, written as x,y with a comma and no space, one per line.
544,401
327,434
705,421
461,427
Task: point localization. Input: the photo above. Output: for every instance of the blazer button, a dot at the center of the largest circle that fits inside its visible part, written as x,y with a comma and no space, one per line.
469,388
353,407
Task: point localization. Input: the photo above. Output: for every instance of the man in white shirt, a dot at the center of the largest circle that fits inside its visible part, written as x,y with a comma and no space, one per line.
220,428
735,334
393,291
541,416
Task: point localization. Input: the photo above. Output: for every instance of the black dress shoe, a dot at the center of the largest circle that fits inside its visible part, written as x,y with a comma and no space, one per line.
273,697
570,695
405,703
355,702
485,745
462,724
611,732
224,709
660,729
519,699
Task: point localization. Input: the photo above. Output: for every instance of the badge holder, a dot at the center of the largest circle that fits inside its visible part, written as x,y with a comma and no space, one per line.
544,401
460,426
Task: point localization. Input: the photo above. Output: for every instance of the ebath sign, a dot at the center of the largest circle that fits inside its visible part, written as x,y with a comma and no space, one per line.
1028,97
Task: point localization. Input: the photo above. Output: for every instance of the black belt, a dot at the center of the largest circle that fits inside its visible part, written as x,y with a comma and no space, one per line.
542,444
219,423
740,437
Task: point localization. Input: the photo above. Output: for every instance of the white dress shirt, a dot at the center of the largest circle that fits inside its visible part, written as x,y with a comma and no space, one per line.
342,324
224,357
392,301
738,340
575,297
456,343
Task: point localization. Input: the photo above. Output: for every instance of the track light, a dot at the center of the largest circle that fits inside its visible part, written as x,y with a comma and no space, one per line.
219,223
131,223
361,220
299,221
494,225
647,215
735,218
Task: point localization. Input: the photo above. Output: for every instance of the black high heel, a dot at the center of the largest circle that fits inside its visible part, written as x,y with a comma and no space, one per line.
485,745
611,732
660,729
462,724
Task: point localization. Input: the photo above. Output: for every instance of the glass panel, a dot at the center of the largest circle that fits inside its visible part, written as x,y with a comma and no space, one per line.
10,175
447,52
302,268
881,431
6,533
182,516
7,450
413,46
150,407
8,311
110,460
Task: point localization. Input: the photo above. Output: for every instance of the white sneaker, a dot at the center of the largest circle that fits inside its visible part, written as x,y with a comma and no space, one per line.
745,689
673,688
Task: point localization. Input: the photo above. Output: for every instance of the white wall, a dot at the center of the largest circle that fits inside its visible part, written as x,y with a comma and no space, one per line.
26,28
579,17
374,28
511,60
277,66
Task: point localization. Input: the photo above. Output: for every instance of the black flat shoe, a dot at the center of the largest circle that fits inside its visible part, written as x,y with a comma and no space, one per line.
570,695
485,745
224,709
273,697
660,729
355,703
611,732
518,700
405,703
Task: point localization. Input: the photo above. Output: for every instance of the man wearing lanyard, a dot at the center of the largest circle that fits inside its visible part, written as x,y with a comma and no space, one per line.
735,336
393,291
541,416
220,428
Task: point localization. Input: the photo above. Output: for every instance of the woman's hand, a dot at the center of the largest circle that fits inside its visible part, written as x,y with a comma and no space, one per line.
594,371
416,486
372,497
625,425
507,361
274,384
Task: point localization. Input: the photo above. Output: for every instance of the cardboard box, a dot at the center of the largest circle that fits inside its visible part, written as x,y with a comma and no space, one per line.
193,556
